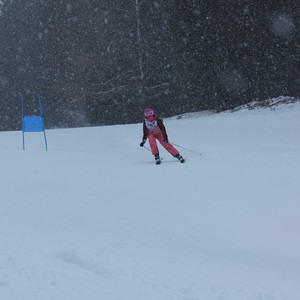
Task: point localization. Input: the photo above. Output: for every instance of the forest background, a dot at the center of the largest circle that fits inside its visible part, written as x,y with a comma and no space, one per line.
101,62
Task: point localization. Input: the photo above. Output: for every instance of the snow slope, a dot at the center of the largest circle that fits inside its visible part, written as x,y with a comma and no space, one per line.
95,218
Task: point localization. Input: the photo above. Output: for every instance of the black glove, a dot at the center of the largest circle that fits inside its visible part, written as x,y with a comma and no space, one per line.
166,139
142,144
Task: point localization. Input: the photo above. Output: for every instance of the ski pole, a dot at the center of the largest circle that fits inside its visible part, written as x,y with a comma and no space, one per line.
186,149
147,148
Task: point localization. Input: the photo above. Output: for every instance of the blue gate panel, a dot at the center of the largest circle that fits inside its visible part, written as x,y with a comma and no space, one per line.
33,124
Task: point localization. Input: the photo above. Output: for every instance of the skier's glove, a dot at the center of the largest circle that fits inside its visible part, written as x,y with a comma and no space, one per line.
142,144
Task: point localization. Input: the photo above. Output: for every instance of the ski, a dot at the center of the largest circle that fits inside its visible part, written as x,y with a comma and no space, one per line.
159,161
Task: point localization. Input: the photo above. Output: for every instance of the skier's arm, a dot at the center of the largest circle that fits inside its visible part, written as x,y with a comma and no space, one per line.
145,134
145,131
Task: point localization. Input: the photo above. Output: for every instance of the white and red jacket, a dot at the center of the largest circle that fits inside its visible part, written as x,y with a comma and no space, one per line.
155,127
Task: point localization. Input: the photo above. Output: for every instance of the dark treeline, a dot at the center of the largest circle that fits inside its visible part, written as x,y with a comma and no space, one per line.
101,62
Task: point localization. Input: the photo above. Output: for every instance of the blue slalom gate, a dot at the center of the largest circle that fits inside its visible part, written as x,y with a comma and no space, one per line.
33,123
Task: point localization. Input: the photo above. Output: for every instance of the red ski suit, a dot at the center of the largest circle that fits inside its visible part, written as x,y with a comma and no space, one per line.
156,130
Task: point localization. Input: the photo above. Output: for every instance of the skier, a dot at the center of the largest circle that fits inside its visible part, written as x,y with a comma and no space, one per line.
154,129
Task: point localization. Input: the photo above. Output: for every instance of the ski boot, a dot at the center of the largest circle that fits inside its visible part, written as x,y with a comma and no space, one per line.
157,159
180,158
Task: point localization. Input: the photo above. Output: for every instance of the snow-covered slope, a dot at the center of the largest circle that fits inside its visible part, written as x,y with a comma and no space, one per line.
95,218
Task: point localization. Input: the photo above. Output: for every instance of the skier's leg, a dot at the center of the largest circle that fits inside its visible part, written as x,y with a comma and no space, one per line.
152,143
154,149
169,147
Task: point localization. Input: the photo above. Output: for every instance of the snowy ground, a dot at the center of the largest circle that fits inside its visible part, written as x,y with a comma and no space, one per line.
94,218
